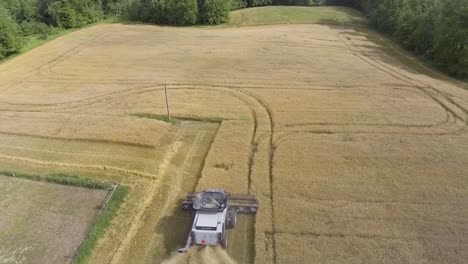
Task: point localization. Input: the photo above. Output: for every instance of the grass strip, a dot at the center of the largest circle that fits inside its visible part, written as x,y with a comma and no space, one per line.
272,15
60,178
101,224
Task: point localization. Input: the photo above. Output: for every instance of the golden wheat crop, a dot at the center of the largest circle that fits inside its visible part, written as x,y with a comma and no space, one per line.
356,153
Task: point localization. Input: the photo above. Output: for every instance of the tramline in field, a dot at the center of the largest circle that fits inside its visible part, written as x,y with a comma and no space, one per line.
212,212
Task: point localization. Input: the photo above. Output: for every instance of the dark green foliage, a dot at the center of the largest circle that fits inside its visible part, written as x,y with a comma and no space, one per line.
29,28
71,13
434,29
297,2
238,4
181,12
384,17
215,11
172,12
115,7
415,26
144,11
260,2
10,39
451,43
21,10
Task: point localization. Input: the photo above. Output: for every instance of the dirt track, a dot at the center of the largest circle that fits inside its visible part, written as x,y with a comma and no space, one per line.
356,153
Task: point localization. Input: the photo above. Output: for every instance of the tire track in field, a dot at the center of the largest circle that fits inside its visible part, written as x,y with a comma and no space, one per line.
235,91
80,139
427,89
271,153
68,54
59,57
113,96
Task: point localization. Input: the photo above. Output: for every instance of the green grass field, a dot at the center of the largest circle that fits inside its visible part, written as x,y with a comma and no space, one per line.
295,14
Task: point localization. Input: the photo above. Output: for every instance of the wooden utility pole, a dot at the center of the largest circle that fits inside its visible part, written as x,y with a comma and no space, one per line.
167,104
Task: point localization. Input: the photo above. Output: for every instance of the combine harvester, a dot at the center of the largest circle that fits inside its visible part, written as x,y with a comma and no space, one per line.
213,212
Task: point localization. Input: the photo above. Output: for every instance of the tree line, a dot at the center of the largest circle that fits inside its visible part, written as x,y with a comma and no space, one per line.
434,29
21,19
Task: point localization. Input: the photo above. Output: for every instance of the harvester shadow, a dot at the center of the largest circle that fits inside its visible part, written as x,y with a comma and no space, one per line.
174,229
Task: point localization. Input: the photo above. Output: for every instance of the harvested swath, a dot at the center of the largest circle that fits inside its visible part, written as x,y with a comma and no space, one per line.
226,164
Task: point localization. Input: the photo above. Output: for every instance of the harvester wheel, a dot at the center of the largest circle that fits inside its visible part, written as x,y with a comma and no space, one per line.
231,218
224,242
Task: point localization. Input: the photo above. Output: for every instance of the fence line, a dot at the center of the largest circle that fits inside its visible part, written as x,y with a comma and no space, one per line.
104,204
72,181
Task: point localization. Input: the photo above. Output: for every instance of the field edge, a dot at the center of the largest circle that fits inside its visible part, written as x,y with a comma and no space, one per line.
109,207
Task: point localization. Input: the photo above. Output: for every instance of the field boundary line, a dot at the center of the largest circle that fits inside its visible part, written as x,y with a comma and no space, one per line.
103,206
72,165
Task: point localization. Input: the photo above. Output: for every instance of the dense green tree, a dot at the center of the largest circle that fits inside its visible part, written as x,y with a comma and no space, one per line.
451,44
21,10
239,4
10,39
69,13
415,25
181,12
215,11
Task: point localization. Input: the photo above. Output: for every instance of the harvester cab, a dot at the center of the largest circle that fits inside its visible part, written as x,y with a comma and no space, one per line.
212,212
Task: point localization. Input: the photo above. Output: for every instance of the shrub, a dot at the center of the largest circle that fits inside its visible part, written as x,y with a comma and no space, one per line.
174,12
215,11
63,15
34,27
416,26
115,7
181,12
141,10
10,39
385,16
238,4
69,13
21,10
451,44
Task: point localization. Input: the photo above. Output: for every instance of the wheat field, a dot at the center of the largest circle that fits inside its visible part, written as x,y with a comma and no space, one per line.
357,153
